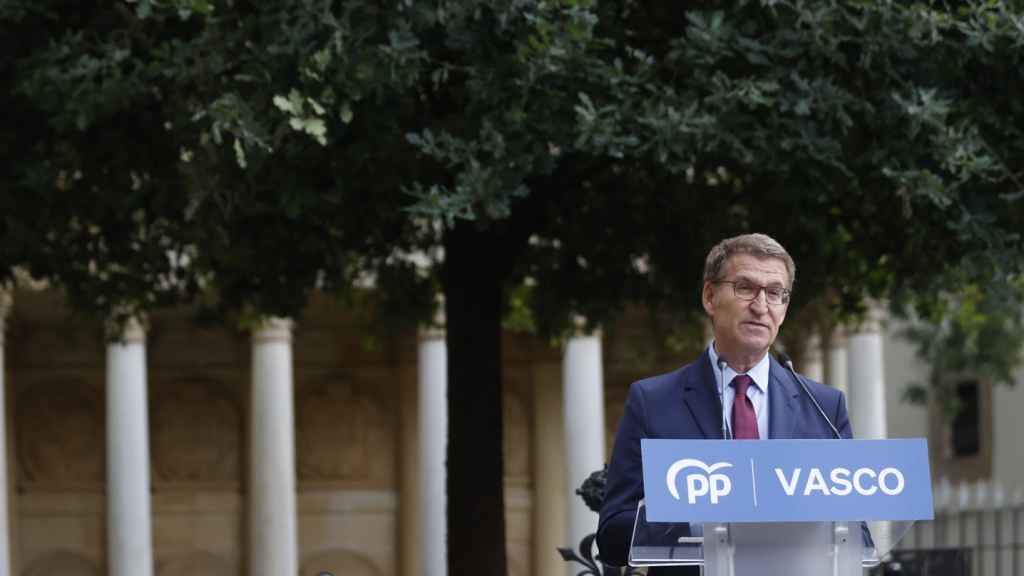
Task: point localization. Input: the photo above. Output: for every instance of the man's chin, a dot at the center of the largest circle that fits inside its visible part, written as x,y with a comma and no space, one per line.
755,348
746,348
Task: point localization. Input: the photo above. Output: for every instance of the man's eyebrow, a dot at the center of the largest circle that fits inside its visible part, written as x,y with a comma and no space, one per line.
743,278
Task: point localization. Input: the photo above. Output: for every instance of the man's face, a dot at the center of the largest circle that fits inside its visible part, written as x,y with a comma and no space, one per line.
744,329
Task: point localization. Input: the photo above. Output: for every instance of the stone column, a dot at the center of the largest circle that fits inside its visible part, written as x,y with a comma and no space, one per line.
433,446
549,495
583,403
835,368
866,378
5,533
813,367
129,521
410,563
273,542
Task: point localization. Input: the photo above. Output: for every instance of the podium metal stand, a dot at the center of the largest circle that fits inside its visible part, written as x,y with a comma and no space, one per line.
764,549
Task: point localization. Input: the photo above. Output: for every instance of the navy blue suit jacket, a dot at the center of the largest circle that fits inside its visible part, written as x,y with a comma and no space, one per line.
684,404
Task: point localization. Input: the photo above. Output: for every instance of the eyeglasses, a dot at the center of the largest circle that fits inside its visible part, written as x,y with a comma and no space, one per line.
744,290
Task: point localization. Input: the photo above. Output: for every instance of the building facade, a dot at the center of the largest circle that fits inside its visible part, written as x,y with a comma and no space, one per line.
299,446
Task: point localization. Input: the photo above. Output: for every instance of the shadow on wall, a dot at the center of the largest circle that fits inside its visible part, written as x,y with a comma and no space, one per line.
63,563
338,562
195,564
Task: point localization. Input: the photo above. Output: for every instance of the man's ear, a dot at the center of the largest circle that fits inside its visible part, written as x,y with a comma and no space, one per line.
707,298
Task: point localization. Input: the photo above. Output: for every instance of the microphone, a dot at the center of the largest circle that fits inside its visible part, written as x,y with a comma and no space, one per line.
788,362
721,397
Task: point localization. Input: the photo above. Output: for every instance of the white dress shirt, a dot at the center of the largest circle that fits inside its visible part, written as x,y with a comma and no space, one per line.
758,392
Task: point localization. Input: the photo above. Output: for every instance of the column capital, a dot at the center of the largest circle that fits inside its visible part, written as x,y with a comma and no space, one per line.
871,322
273,329
436,329
579,328
130,330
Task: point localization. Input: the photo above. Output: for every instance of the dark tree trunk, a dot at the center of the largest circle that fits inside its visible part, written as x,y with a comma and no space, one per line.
474,274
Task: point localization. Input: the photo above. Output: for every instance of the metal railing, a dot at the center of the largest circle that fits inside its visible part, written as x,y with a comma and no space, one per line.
980,518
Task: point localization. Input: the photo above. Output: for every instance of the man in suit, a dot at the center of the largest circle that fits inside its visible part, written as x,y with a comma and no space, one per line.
747,284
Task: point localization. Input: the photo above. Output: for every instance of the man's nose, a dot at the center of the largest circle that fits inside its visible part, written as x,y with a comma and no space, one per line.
760,301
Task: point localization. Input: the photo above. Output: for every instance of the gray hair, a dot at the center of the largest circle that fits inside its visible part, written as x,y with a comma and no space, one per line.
757,245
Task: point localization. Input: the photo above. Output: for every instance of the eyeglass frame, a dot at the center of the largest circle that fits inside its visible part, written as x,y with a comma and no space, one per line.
784,296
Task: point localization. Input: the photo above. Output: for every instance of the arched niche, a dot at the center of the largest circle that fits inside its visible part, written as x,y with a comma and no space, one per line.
342,432
195,428
59,432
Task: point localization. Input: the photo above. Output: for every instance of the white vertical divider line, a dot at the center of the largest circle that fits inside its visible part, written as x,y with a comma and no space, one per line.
753,481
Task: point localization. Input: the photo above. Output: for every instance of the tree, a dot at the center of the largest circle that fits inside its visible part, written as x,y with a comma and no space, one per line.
590,151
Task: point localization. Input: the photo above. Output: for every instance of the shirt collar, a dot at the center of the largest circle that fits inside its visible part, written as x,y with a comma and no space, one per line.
759,373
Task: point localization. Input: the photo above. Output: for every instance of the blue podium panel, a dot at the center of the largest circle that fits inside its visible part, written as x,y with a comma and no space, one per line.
786,480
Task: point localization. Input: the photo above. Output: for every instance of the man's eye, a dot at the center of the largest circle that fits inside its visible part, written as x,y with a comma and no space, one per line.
775,291
745,286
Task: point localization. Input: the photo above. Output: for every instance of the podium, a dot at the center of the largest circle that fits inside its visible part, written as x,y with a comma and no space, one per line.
778,507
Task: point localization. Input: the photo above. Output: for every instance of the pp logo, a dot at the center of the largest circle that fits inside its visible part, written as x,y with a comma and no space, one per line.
699,483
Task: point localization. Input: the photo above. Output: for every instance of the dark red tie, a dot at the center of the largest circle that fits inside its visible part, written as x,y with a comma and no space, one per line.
744,420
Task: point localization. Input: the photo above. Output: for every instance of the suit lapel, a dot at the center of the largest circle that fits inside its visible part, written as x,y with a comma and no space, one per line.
782,415
700,392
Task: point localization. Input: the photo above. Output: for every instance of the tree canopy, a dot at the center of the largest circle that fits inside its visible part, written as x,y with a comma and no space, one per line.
243,155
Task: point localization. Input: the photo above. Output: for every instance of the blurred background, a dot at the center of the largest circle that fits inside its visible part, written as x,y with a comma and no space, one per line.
361,287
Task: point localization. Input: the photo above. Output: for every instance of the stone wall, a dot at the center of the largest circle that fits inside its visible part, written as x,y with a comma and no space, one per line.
346,422
347,443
